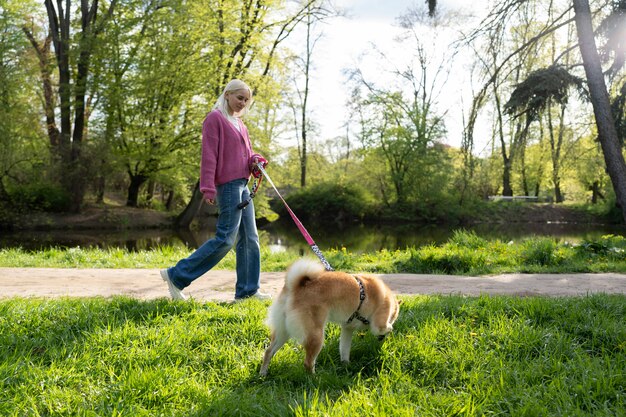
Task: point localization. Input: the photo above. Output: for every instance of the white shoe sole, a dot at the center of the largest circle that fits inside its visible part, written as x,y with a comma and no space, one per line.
175,293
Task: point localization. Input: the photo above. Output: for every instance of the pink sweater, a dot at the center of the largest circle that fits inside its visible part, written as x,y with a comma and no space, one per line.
226,153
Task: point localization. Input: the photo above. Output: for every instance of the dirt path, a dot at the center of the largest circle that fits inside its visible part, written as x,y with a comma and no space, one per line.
219,285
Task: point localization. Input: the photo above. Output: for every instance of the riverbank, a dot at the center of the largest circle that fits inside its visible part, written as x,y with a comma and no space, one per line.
94,217
119,217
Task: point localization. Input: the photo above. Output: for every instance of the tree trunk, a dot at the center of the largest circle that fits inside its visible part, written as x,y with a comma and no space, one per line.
136,181
43,55
507,190
595,192
150,191
555,152
607,134
169,201
186,217
305,98
100,188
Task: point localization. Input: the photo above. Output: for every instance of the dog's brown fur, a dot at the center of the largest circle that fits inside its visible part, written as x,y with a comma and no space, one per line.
311,297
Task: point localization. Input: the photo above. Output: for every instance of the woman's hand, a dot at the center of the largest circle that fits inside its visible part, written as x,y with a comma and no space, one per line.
257,160
210,201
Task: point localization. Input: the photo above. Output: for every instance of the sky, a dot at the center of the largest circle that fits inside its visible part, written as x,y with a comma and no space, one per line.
343,46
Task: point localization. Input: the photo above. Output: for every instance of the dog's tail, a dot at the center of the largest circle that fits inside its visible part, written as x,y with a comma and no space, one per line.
301,271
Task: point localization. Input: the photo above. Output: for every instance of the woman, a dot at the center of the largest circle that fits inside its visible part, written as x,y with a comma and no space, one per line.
226,164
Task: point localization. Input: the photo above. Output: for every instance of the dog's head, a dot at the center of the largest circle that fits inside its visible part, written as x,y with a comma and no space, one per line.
393,312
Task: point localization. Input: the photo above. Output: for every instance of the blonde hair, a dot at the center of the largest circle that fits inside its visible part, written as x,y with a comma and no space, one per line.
222,105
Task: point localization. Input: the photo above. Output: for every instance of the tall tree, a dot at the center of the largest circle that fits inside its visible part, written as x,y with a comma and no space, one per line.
607,132
19,106
316,13
73,77
536,95
150,72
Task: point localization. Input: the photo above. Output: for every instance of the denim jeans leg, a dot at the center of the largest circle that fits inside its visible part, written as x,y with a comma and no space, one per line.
212,251
248,254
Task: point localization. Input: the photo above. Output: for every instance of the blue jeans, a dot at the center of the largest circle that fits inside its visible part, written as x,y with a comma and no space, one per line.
236,227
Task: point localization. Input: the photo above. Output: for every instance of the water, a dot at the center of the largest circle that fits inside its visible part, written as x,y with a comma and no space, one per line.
284,235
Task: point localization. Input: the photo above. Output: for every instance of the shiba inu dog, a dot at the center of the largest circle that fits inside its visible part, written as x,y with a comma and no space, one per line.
312,296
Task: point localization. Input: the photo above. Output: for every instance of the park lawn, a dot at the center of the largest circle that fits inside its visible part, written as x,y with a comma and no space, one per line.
448,355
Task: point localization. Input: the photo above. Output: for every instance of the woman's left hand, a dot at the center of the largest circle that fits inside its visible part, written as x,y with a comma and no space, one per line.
257,160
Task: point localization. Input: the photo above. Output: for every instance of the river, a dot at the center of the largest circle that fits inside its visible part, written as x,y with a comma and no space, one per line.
286,236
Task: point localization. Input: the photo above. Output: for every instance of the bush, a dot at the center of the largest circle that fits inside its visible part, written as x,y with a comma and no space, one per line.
540,251
40,196
468,239
609,246
327,201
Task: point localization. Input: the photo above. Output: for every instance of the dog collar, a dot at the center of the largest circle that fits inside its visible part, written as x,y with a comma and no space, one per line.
356,314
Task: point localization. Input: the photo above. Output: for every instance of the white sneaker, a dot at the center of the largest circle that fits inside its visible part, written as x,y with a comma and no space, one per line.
258,295
261,296
175,293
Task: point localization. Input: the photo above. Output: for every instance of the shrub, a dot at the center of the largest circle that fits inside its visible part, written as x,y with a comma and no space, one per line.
327,201
608,245
540,251
40,196
468,239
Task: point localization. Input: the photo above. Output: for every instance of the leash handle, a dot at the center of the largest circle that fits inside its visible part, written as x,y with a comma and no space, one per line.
255,188
316,250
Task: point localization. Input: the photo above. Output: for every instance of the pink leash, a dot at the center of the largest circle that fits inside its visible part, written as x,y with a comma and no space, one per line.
298,223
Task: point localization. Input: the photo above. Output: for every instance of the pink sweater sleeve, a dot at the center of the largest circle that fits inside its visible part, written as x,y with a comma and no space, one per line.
210,150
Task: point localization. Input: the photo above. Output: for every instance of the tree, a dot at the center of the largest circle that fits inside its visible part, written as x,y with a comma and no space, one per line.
73,52
232,51
403,131
42,49
316,13
150,72
537,93
21,140
303,95
607,133
400,125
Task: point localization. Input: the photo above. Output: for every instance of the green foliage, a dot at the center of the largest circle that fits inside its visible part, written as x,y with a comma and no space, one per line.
447,355
42,196
468,239
542,86
540,251
608,246
327,202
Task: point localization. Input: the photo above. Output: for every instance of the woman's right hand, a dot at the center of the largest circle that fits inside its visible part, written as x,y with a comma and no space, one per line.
210,201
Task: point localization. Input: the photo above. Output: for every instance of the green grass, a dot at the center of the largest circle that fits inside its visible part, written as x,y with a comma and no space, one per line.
464,254
448,356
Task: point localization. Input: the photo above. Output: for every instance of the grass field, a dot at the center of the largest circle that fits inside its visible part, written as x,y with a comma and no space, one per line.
448,356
